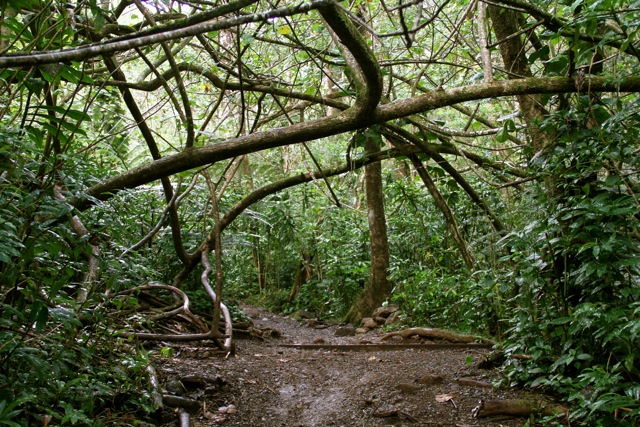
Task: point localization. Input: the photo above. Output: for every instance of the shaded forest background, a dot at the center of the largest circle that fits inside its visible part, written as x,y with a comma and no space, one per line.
475,163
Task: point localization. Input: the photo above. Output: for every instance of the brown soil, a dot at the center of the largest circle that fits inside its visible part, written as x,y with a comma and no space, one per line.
266,384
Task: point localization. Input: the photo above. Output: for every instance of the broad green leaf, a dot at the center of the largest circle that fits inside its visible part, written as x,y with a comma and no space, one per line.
284,30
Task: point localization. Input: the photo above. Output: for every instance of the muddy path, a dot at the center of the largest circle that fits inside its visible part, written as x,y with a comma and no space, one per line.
267,384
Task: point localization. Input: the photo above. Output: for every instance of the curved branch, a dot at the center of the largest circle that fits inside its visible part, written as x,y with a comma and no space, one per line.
132,105
181,28
204,278
359,115
341,123
360,57
212,334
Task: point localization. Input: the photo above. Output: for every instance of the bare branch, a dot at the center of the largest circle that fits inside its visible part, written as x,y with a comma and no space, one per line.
178,29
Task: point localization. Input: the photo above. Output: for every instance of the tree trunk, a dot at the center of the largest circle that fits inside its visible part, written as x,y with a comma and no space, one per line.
446,211
303,274
505,25
378,288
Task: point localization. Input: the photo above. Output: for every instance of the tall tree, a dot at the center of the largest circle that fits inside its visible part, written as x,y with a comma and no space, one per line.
378,287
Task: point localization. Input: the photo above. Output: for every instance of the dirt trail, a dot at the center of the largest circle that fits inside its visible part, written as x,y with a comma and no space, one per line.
265,384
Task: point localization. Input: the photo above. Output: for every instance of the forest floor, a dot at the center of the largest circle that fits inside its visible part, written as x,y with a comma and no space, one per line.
268,384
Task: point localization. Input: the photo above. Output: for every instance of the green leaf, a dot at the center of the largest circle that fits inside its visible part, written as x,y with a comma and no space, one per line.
503,134
284,30
557,66
42,317
542,52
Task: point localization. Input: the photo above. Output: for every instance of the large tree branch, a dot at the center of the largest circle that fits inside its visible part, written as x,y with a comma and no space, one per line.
359,115
343,122
216,81
176,30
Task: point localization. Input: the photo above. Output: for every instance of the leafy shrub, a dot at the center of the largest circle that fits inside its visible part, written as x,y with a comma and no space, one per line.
577,310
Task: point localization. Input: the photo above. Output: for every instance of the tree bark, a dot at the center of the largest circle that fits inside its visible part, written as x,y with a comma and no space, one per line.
378,287
505,25
446,211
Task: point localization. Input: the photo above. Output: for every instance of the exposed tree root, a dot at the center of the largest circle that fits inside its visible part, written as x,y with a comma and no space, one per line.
228,325
438,334
156,396
183,310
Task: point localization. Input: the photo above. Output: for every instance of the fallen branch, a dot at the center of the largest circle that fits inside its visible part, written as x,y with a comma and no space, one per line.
181,402
439,334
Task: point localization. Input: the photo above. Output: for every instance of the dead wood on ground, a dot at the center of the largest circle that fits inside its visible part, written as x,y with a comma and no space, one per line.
437,334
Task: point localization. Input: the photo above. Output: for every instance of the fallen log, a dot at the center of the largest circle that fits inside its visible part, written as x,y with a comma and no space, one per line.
438,334
517,408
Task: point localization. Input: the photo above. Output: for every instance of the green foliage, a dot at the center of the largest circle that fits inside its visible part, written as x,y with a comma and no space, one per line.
71,375
577,268
57,357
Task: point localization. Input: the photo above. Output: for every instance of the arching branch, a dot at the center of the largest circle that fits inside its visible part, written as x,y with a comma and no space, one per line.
340,123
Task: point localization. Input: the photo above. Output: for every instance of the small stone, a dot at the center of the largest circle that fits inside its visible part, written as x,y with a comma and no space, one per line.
271,333
217,418
174,386
381,312
252,312
396,338
361,331
407,387
380,320
303,315
368,322
393,319
314,323
318,341
345,331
